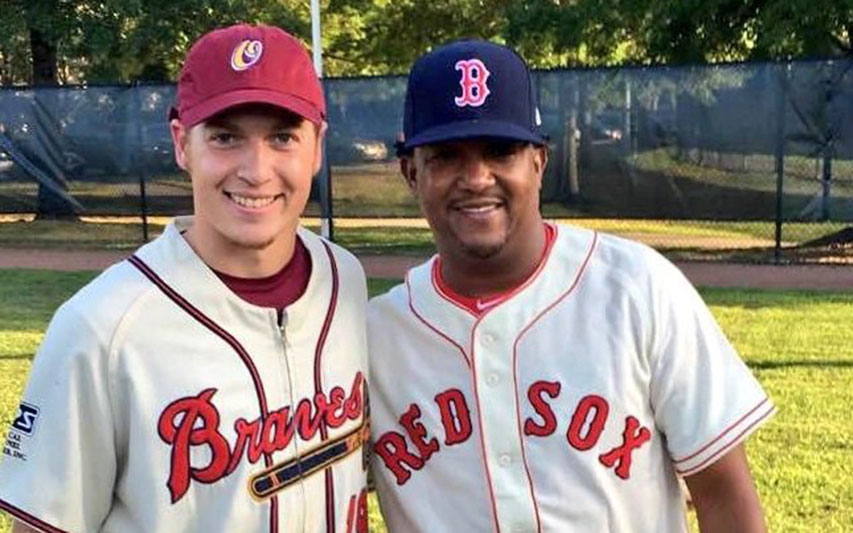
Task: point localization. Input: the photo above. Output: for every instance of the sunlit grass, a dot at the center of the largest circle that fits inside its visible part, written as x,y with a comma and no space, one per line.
411,235
798,344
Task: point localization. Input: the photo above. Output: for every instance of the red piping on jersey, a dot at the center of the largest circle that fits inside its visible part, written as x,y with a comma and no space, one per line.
521,334
549,245
433,274
726,447
518,289
471,362
29,519
480,422
318,385
205,321
430,326
721,435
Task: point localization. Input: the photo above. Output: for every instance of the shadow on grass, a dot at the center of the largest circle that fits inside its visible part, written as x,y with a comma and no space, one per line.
762,298
811,363
16,356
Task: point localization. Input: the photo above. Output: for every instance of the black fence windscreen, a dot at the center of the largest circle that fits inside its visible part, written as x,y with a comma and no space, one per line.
727,148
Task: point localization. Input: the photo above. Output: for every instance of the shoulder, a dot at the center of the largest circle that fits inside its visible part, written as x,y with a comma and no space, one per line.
103,304
623,263
83,331
347,264
105,299
395,297
396,300
630,257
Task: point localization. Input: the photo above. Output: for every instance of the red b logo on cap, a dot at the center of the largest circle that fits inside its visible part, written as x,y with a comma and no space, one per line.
473,82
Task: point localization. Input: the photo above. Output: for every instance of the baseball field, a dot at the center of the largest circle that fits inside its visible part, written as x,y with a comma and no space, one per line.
738,241
797,343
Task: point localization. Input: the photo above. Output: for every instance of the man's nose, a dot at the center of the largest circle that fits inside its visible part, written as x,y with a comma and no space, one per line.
256,163
476,172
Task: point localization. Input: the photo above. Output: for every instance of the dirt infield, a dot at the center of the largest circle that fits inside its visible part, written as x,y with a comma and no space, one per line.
823,277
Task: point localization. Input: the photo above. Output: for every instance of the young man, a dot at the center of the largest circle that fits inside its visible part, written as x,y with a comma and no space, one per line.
215,380
535,377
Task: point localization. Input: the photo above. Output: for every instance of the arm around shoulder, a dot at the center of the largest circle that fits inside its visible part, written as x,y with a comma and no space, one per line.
725,497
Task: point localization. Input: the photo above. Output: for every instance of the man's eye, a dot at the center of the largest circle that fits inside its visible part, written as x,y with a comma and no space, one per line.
500,150
442,155
284,138
222,138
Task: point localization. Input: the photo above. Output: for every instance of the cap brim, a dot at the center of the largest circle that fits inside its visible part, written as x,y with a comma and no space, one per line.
192,116
474,128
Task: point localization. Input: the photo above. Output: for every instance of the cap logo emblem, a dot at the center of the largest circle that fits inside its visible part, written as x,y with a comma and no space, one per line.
473,82
246,54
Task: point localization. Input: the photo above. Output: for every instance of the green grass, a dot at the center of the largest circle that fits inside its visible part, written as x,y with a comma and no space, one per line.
389,237
723,230
378,190
76,235
798,344
756,173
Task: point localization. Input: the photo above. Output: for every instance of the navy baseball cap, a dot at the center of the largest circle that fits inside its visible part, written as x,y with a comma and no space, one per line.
470,89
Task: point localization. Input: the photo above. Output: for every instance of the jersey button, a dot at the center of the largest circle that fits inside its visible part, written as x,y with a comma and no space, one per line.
492,379
505,459
488,338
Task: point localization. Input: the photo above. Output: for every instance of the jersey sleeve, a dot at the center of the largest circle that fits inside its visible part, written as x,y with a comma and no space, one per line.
705,399
59,462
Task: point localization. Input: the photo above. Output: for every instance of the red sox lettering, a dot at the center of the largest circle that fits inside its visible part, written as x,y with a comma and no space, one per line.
194,421
586,426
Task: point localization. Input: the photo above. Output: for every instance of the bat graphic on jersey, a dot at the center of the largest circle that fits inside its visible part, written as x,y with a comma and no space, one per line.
266,483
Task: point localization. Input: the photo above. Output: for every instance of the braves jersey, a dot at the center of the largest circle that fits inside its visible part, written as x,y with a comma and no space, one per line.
161,401
569,406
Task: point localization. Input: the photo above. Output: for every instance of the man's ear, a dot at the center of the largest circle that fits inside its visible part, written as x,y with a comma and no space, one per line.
318,154
540,162
408,169
180,137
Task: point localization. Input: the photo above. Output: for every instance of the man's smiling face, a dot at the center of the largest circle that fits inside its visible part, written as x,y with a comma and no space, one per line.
251,169
479,195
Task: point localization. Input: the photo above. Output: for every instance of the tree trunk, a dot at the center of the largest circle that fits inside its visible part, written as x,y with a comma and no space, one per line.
49,205
44,59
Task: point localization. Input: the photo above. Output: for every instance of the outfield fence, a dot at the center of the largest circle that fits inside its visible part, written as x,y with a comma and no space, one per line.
762,150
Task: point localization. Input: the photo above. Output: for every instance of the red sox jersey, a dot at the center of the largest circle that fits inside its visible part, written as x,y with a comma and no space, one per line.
161,401
571,405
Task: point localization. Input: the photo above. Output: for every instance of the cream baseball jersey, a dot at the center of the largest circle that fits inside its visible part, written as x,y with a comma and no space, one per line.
161,401
569,406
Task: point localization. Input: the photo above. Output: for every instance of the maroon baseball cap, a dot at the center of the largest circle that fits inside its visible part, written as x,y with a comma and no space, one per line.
245,64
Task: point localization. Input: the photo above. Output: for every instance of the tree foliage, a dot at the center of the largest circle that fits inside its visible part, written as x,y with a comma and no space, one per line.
596,32
128,40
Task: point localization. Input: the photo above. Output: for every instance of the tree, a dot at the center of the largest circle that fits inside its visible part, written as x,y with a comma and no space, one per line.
606,32
385,36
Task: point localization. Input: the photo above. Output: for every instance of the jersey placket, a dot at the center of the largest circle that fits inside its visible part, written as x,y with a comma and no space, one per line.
291,523
495,389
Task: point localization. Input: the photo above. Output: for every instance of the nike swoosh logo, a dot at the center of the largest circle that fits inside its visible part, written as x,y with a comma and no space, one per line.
482,306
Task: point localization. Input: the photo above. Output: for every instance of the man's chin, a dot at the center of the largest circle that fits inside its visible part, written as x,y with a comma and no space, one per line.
254,244
482,250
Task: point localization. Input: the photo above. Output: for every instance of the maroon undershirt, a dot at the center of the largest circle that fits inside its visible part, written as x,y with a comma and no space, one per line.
279,290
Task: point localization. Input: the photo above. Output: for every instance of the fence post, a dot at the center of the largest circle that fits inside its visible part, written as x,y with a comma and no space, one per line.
826,181
571,148
829,141
140,138
781,100
628,142
327,226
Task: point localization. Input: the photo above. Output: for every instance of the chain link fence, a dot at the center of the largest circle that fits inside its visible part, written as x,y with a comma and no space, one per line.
745,162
